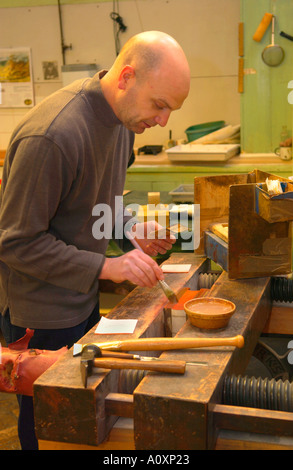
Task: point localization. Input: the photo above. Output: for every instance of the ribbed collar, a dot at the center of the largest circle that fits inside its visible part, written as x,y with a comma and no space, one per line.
97,100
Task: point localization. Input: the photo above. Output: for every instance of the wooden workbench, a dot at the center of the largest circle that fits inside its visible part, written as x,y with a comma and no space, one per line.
174,414
167,411
59,391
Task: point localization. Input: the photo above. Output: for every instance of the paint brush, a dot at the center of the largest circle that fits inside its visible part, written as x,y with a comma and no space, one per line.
171,296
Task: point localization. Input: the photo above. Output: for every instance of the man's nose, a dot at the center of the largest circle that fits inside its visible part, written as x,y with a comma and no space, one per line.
163,117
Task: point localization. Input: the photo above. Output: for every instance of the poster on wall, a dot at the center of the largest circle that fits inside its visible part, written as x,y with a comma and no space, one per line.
16,80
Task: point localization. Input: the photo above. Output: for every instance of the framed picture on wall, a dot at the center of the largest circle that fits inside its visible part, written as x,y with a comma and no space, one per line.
16,81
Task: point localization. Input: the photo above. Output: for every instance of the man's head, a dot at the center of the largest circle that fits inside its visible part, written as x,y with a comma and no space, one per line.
149,79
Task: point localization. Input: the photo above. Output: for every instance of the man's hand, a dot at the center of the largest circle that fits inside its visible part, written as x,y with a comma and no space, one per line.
147,236
135,266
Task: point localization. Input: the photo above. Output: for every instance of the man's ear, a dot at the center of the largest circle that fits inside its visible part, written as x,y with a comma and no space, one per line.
126,74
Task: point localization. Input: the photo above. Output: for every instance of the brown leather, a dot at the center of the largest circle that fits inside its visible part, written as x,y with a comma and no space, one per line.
20,366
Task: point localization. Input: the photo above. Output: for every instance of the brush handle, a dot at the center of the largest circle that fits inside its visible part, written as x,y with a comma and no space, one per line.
165,287
164,344
133,241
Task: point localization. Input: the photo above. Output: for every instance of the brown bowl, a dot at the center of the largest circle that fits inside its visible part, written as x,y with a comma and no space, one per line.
209,313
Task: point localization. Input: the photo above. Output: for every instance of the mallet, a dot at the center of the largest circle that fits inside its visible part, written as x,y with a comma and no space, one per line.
92,356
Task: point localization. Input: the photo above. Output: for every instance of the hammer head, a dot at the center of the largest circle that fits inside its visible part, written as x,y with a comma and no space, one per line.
86,363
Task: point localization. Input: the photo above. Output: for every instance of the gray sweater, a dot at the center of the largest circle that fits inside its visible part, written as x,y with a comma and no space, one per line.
68,154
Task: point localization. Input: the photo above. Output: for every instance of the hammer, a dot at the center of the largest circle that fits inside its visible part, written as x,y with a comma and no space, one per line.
161,344
92,356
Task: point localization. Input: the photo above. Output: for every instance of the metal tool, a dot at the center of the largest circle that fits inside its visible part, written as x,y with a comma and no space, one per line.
171,296
93,357
287,36
273,54
119,355
161,344
152,358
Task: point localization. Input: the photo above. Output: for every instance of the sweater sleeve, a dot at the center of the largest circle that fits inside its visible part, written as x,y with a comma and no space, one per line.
39,178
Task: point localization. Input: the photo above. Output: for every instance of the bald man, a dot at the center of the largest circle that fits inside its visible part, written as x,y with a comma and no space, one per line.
66,163
148,81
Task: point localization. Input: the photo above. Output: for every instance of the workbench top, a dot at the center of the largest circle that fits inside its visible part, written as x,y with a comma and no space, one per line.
65,411
248,160
179,407
158,173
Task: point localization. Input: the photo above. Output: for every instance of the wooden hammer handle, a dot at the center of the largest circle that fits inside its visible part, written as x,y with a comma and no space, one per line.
175,367
164,344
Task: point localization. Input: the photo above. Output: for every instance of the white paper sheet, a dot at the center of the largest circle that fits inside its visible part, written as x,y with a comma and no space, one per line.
176,268
113,327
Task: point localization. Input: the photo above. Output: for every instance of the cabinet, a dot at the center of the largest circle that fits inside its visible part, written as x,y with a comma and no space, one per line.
157,173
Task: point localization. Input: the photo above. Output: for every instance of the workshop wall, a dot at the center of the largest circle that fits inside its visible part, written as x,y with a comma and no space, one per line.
265,109
208,32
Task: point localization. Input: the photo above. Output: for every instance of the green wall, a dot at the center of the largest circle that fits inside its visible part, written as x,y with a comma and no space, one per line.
264,104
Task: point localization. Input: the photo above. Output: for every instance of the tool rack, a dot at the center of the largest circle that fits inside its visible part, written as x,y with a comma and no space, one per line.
167,411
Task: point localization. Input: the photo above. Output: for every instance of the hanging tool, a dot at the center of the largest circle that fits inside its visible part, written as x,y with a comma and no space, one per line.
161,344
171,296
287,36
262,27
273,54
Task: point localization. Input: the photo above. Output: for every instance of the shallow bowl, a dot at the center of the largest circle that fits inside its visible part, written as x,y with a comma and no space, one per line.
209,313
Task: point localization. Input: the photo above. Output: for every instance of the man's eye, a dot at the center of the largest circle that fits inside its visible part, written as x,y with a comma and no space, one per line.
159,106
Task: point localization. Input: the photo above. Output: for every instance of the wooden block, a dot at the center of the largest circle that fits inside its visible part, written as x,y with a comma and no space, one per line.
154,198
212,194
252,429
2,157
241,39
256,247
221,230
217,250
172,413
160,213
280,320
59,395
120,438
240,75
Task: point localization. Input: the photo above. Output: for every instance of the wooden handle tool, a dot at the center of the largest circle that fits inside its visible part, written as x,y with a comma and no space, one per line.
174,367
89,358
164,344
161,344
262,27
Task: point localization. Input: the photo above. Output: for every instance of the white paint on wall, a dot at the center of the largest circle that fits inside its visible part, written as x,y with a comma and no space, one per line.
207,31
